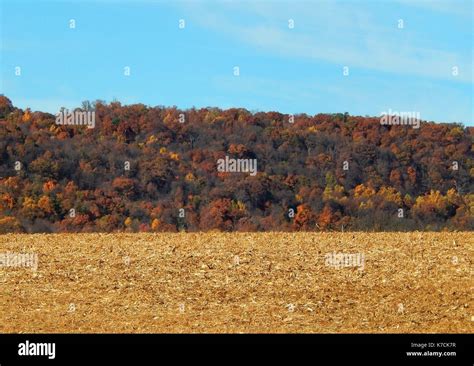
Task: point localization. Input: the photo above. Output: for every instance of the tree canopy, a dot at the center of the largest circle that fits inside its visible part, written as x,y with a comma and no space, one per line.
155,169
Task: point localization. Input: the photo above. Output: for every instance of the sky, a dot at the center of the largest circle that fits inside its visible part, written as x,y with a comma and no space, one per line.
364,57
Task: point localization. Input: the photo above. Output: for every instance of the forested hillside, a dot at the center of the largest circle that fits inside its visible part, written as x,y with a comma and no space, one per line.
155,169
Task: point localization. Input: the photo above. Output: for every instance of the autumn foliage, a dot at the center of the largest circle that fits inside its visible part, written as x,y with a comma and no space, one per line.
141,169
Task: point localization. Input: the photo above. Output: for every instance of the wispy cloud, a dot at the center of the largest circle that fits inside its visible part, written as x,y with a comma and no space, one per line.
341,33
461,8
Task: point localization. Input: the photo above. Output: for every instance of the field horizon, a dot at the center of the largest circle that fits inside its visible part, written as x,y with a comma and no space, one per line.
239,282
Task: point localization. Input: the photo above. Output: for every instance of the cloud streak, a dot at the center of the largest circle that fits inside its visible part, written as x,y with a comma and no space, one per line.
344,34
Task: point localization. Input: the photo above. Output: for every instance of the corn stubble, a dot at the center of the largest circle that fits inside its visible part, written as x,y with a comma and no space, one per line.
238,282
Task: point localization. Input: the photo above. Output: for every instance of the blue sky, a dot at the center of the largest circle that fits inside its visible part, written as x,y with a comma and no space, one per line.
298,70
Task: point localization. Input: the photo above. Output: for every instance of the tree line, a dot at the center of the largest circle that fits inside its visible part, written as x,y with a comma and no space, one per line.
155,169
